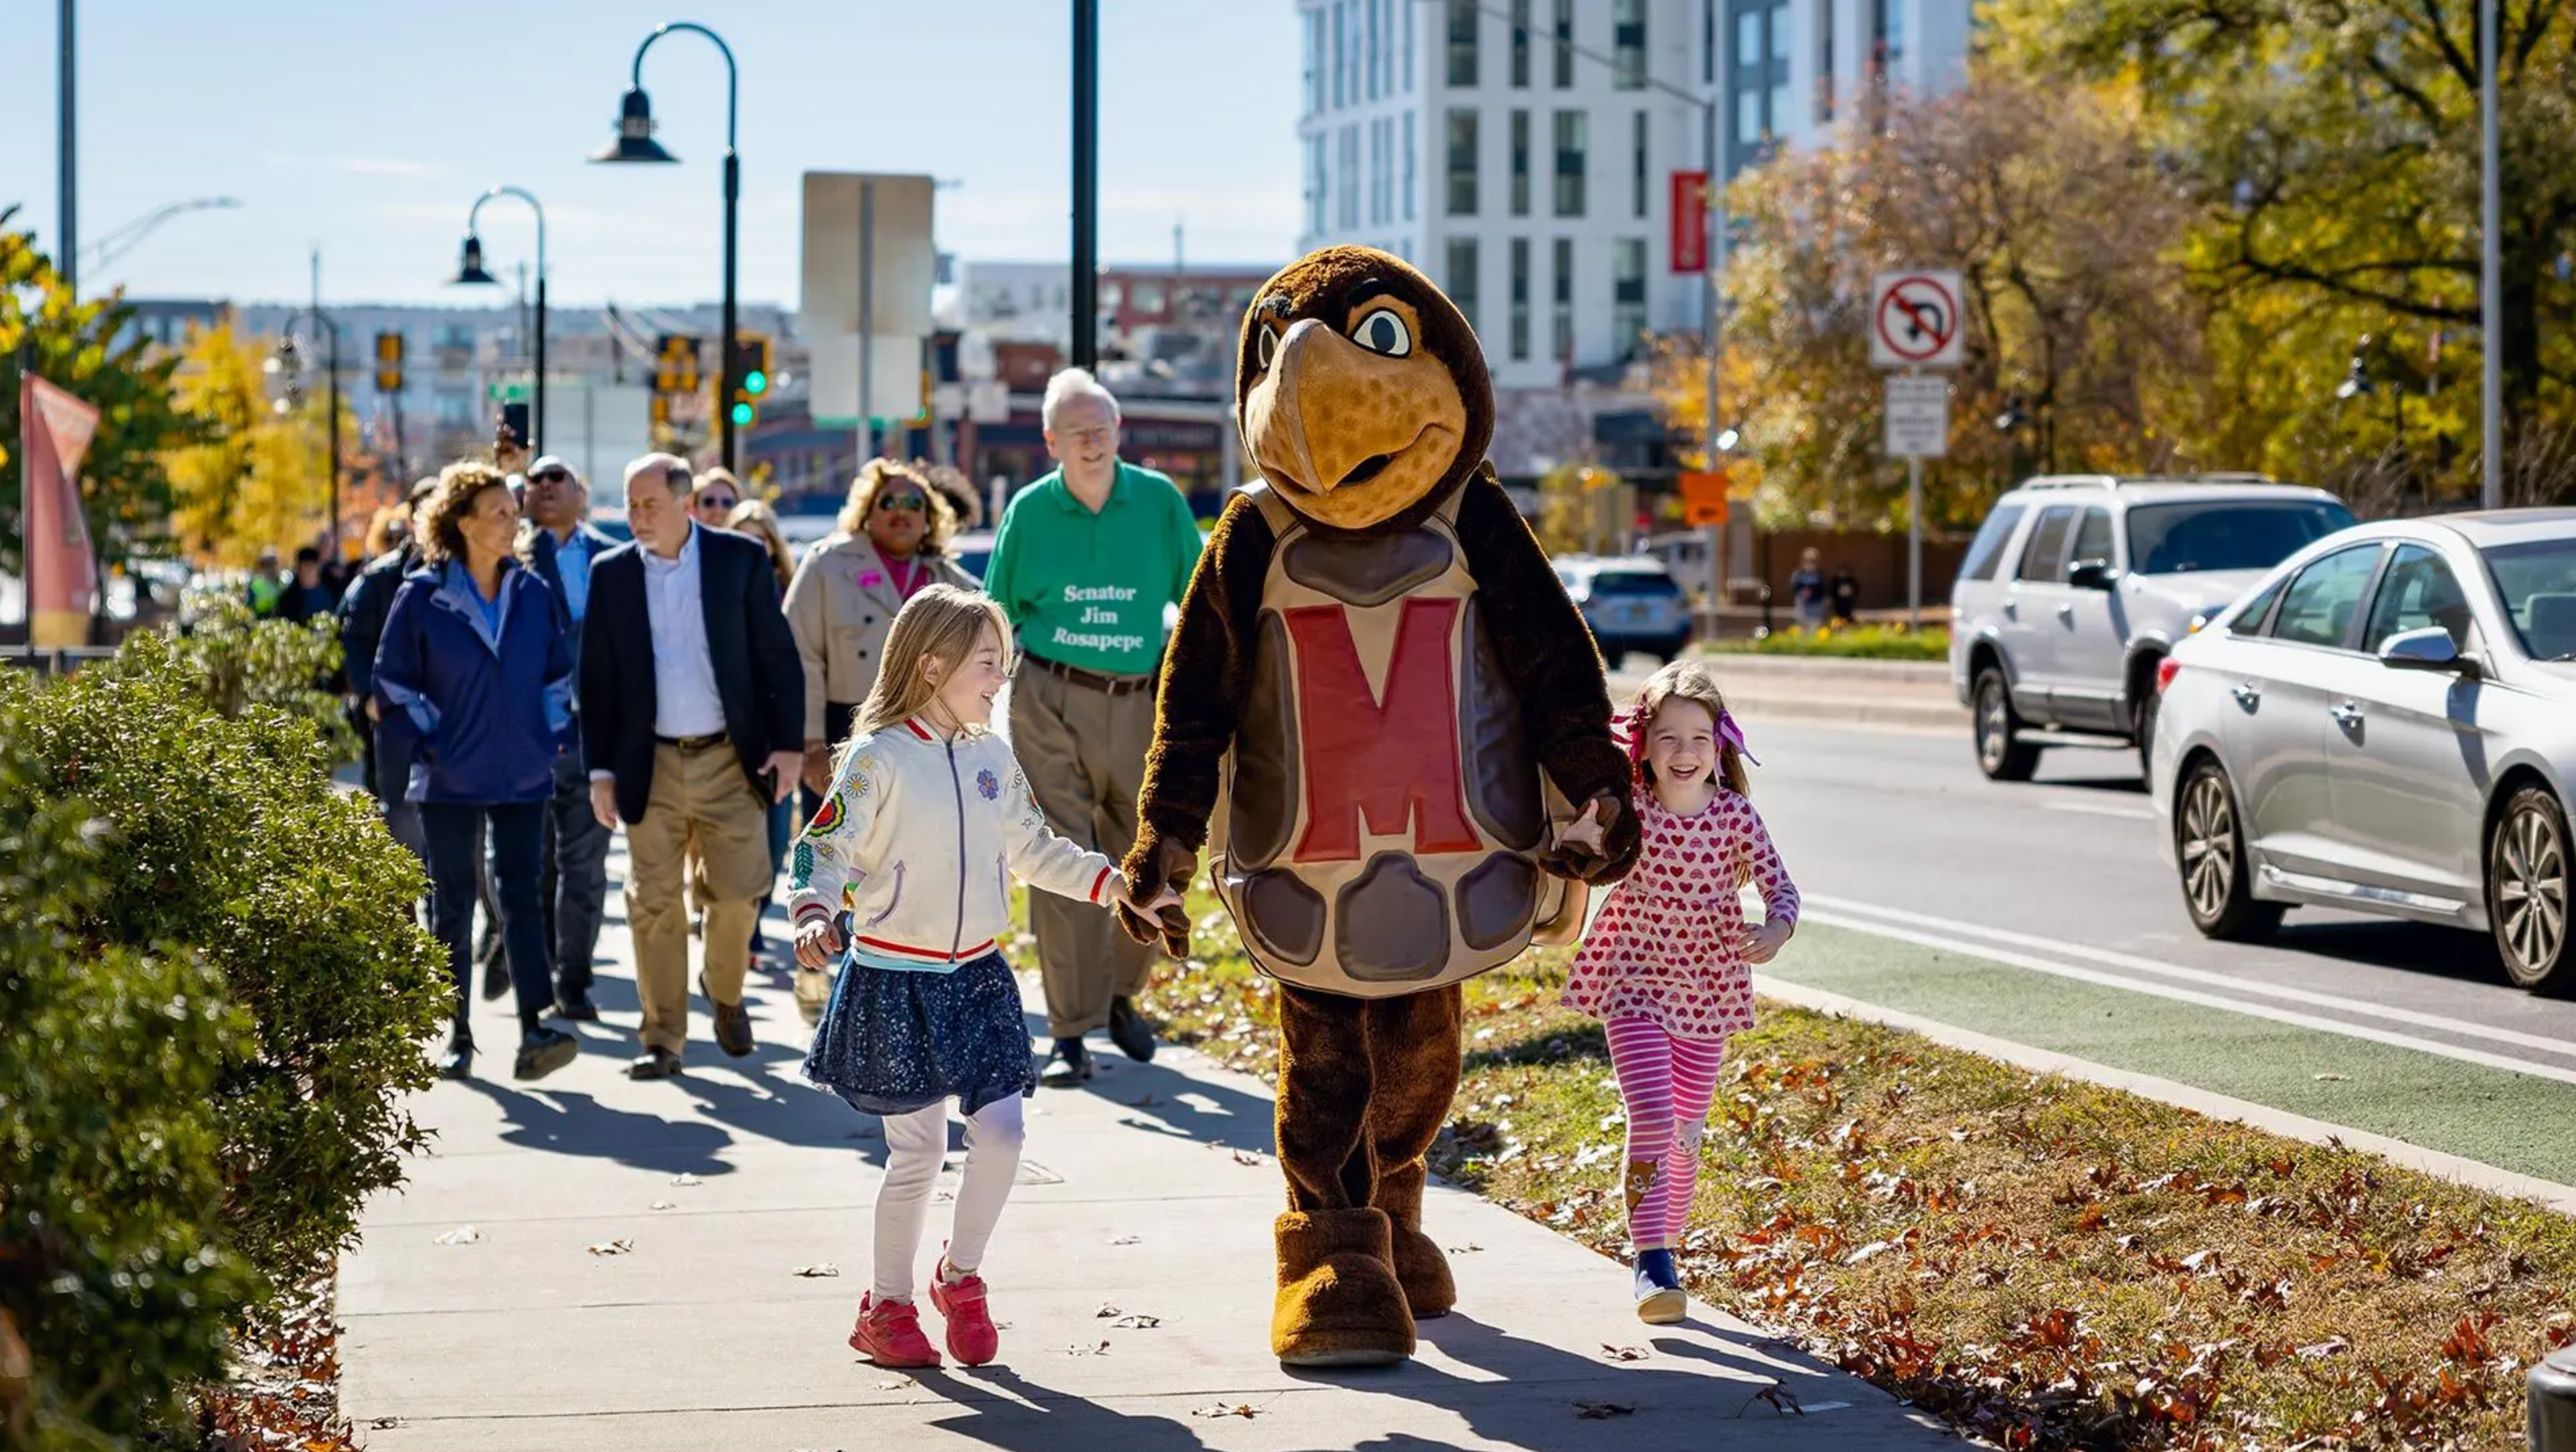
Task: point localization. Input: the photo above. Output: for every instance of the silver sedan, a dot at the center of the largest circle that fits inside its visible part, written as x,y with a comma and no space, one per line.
2386,724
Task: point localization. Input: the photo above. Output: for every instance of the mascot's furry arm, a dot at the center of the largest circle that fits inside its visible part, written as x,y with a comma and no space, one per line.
1198,702
1556,670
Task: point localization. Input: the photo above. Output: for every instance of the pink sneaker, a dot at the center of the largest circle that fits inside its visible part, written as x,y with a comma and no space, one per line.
972,1337
889,1334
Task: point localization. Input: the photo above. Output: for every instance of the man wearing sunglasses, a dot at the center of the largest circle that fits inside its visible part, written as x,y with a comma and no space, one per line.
1087,561
561,548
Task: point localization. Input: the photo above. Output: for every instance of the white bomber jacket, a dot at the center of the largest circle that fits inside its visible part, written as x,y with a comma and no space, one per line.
919,841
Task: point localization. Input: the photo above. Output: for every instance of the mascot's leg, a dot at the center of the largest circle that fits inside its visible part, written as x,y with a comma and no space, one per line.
1413,1069
1339,1302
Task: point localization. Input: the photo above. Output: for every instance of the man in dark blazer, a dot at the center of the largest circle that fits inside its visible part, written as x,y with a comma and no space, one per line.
692,723
561,548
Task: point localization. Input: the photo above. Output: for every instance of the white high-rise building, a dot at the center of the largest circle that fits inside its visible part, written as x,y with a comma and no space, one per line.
1522,152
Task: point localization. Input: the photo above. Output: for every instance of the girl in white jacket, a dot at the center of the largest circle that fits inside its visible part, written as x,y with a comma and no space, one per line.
907,870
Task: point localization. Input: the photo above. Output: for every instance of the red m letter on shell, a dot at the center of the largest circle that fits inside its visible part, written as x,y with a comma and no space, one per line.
1393,760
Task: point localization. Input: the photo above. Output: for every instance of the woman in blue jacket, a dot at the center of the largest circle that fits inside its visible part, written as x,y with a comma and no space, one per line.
474,663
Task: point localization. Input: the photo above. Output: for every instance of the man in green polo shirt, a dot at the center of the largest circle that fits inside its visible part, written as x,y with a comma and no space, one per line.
1086,562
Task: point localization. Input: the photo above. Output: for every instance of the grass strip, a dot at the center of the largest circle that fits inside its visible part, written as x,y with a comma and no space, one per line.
1857,642
2045,1262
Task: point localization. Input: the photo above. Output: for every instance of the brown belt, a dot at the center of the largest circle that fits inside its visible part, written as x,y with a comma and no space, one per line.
708,742
1095,680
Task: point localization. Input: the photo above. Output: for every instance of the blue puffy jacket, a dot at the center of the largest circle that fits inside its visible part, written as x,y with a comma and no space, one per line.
490,709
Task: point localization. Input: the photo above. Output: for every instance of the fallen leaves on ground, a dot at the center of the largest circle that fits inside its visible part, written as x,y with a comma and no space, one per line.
821,1270
665,1205
1087,1349
685,1178
461,1235
1245,1410
1623,1353
1601,1411
1133,1322
1782,1400
1250,1157
620,1246
1126,1239
284,1391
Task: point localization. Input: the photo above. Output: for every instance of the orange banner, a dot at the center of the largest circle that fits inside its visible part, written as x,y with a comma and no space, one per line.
61,574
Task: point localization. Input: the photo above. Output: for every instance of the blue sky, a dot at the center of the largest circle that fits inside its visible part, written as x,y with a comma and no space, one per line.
369,127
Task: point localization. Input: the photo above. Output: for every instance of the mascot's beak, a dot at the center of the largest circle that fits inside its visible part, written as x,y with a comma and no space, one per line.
1321,418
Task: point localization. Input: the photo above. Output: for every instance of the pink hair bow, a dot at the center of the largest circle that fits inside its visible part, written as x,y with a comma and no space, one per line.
1733,735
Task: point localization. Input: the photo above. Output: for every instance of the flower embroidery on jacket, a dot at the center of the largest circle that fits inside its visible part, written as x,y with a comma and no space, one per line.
989,784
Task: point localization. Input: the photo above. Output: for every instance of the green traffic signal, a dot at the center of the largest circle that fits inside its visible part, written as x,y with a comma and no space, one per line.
755,381
742,414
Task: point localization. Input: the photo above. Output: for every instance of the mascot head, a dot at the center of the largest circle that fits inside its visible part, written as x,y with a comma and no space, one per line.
1360,389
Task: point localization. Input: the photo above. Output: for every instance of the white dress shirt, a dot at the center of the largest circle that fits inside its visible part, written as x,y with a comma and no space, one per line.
685,702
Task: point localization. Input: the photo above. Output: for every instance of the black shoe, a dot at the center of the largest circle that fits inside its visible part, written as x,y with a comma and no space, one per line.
733,1023
576,1006
459,1062
654,1064
1070,1065
1129,1031
542,1051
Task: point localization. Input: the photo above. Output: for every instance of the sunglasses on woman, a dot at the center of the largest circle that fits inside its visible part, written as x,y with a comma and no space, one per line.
902,503
715,501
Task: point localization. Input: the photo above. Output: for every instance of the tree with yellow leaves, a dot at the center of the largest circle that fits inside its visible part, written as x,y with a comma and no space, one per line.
260,479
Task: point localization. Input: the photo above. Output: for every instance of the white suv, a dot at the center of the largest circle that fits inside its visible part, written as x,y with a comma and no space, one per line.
2076,587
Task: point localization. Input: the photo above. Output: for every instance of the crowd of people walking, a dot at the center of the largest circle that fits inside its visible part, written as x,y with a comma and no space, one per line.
526,686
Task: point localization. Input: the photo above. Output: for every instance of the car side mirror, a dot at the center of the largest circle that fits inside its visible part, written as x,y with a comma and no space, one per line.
2092,575
2429,649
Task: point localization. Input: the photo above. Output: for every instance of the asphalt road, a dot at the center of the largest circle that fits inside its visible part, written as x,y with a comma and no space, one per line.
1899,835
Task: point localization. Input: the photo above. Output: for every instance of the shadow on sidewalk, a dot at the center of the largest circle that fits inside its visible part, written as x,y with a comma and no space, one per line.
1162,1100
1000,1408
572,1123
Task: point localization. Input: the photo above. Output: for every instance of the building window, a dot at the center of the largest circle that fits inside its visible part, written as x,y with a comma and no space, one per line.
1376,161
1564,45
1520,163
1708,40
1341,54
1520,45
1462,162
1409,6
1315,185
1376,49
1569,163
1462,276
1411,189
1824,61
1561,286
1350,176
1386,170
1628,45
1462,43
1628,296
1637,162
1888,33
1778,115
1314,61
1520,340
1758,78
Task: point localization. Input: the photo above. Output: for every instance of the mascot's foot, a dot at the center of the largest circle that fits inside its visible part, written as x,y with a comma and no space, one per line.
1424,1272
1340,1303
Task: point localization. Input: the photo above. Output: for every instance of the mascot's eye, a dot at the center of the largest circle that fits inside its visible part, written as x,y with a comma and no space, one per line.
1384,332
1266,347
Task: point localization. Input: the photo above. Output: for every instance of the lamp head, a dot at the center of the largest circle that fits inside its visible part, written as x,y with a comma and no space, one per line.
470,272
634,133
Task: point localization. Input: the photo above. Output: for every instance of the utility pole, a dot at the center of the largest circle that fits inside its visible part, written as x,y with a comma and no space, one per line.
1086,183
331,394
2490,265
67,177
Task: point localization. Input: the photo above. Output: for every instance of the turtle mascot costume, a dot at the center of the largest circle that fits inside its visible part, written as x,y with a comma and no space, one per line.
1381,695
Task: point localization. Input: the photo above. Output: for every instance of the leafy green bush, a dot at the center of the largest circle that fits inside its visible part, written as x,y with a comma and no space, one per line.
117,1287
239,661
1857,642
231,841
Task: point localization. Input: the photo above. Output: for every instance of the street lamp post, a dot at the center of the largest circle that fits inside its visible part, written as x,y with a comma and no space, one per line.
115,244
2490,265
635,143
470,272
284,362
1086,183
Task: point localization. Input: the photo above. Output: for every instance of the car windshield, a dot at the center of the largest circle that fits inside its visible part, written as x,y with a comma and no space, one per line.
2227,534
2538,583
1633,582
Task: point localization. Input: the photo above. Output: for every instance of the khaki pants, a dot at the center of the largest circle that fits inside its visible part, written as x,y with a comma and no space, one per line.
701,808
1084,752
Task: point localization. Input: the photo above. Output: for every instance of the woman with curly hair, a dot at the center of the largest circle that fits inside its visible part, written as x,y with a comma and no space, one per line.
474,664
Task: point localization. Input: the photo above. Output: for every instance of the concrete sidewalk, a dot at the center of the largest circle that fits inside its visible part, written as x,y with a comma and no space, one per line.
631,1279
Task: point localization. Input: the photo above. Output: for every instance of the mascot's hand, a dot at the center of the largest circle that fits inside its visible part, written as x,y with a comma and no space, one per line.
1599,847
1160,870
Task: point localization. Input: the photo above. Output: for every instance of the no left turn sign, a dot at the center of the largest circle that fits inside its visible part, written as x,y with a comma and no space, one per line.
1914,320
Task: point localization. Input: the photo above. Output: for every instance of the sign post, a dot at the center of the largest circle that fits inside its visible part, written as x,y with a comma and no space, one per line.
1914,323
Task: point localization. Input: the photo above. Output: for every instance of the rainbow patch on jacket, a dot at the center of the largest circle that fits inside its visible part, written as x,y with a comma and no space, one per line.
828,819
989,784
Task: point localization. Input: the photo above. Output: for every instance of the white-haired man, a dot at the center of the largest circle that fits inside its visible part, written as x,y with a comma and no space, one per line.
1086,561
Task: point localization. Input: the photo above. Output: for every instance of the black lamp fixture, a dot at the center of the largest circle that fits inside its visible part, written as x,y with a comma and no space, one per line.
2356,382
470,272
635,143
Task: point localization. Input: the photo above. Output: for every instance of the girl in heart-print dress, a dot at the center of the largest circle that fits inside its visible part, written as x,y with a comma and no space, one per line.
1667,965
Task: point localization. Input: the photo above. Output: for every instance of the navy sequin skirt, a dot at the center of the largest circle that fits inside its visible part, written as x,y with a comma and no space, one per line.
893,1041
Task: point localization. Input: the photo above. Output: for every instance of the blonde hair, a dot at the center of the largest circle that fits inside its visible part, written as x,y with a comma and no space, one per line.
941,623
1686,680
754,517
442,535
874,476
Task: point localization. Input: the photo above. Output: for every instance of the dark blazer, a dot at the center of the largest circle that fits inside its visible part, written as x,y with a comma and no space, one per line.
363,610
758,675
541,552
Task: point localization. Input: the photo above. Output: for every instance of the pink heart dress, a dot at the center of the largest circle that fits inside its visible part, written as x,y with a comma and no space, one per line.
1666,946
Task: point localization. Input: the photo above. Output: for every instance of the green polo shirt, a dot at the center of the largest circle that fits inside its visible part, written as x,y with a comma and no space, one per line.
1088,590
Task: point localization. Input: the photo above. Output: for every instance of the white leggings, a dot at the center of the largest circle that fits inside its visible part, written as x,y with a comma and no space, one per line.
916,1143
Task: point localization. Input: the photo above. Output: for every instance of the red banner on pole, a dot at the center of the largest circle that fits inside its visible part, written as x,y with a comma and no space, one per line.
61,576
1690,221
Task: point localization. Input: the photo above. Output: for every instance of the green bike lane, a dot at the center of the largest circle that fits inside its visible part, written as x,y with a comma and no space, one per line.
2518,1120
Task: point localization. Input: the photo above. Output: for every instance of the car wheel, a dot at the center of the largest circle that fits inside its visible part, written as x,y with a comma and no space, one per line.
2209,846
2002,754
2527,890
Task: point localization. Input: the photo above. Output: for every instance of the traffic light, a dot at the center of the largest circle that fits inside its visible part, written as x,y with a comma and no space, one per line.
751,378
675,364
389,362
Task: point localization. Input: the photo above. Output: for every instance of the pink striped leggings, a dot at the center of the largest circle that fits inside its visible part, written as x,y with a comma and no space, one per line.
1666,1083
